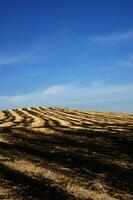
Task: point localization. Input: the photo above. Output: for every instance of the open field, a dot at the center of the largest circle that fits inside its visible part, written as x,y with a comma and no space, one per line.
54,153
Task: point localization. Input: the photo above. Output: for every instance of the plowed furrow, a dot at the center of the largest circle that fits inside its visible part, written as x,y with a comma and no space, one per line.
59,120
37,121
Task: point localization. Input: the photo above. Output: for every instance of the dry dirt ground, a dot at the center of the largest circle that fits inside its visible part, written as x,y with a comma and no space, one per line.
54,153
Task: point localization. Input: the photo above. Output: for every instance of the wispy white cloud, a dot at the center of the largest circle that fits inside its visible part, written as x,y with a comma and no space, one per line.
113,37
110,97
14,59
97,83
31,56
128,62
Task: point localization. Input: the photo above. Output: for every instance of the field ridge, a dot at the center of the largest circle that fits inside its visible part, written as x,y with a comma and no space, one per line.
61,153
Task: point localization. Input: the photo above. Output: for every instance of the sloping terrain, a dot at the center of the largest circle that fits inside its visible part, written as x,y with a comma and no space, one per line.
54,153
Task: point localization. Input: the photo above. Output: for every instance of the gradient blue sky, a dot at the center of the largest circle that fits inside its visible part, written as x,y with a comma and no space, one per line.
74,53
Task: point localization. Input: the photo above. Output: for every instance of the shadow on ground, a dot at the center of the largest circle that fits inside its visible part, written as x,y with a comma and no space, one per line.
89,155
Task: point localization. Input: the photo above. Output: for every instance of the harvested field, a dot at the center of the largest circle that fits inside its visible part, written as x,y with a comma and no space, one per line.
54,153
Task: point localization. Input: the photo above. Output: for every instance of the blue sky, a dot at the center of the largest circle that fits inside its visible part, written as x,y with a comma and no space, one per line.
74,53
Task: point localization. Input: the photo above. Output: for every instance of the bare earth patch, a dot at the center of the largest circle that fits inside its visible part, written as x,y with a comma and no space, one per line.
54,153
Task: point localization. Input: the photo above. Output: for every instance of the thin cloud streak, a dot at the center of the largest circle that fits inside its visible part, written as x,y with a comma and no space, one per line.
96,97
128,62
113,37
14,59
97,83
30,56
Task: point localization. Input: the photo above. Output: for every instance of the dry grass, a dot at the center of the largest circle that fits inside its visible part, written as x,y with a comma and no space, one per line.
52,153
